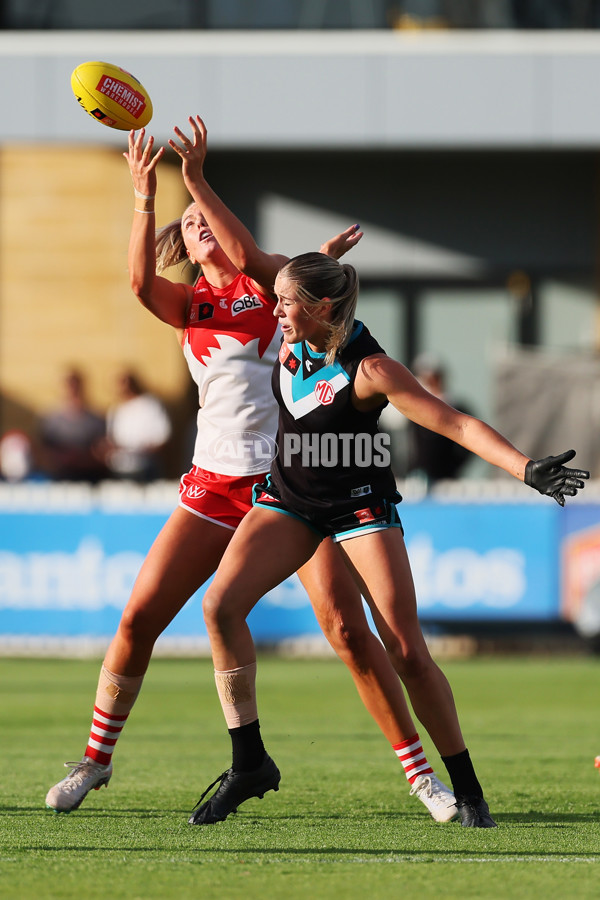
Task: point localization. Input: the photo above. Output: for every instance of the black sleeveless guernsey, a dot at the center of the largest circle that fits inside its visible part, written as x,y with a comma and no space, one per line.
332,459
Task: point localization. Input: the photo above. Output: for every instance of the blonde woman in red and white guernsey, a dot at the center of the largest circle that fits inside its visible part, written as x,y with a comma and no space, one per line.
230,340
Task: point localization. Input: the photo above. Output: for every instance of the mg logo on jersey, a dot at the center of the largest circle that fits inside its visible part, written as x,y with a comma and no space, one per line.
324,393
244,303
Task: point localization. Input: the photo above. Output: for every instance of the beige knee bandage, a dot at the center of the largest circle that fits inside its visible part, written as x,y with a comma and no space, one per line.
237,693
116,694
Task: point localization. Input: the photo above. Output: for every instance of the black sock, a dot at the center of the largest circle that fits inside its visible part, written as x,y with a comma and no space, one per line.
247,748
462,774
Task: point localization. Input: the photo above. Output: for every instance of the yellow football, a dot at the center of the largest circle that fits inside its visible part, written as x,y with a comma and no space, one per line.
111,95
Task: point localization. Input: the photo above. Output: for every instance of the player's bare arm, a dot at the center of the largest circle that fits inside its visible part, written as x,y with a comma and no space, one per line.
380,377
167,301
232,235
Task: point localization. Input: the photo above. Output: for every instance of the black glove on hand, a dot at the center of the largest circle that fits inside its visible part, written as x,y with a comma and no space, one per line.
549,476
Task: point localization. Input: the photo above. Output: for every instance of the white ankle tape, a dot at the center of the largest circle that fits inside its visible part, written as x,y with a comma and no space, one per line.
237,693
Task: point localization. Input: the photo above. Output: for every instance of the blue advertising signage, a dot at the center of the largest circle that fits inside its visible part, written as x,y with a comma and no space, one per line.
69,574
580,566
483,561
64,575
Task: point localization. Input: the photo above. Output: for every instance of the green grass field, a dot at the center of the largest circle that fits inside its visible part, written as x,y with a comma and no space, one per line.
342,825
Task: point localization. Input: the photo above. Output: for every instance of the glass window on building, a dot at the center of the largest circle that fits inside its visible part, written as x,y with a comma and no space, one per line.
464,328
569,315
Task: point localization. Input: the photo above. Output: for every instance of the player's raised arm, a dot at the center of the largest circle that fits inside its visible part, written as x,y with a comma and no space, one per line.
166,300
232,235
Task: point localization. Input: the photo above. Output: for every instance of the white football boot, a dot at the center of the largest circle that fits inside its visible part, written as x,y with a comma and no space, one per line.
438,799
84,776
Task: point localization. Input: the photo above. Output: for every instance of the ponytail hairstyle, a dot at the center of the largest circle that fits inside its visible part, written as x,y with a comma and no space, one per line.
170,248
320,279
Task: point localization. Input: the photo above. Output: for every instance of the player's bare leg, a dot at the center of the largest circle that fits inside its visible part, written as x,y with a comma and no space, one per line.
380,566
171,573
338,607
238,585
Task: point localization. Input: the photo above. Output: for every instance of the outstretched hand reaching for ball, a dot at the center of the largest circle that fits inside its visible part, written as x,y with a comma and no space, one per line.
191,150
549,476
142,164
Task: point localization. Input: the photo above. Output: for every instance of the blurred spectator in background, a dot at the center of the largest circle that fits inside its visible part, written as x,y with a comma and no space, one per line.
431,455
138,428
16,457
71,436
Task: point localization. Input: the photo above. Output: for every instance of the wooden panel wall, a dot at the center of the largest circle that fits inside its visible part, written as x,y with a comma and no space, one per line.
65,215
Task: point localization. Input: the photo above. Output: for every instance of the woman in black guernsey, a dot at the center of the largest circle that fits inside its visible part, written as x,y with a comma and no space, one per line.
331,478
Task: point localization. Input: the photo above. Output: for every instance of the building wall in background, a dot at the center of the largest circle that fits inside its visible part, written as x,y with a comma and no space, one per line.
444,234
65,300
320,89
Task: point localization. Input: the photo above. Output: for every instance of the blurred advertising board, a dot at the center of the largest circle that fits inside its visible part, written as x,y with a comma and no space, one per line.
580,565
65,575
69,573
483,561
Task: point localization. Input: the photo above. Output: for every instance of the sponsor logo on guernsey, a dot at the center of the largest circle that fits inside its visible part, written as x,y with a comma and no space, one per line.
265,498
368,515
361,491
194,492
288,360
291,364
201,311
243,304
324,393
312,364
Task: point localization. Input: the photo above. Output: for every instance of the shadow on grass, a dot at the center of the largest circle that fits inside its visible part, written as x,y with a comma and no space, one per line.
532,817
326,852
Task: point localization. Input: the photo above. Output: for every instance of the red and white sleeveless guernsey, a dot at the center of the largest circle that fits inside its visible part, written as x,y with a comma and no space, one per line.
230,343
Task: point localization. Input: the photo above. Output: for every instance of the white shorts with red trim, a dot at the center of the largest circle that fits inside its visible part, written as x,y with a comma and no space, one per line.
222,499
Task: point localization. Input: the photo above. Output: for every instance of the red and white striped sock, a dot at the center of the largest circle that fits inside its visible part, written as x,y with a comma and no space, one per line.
104,735
115,697
412,756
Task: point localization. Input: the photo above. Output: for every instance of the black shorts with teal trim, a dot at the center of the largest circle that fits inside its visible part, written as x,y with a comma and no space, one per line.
355,519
